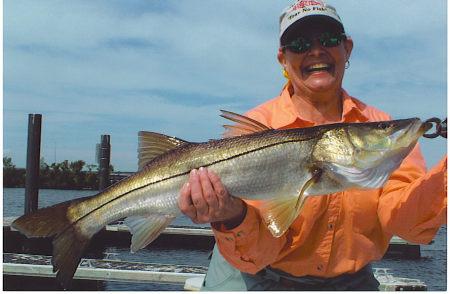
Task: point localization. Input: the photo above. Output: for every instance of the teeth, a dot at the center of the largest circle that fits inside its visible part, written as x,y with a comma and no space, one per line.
318,66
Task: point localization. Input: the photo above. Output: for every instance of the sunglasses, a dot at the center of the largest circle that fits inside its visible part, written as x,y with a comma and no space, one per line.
326,39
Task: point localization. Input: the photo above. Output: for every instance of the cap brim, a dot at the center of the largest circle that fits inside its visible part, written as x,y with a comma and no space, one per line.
304,22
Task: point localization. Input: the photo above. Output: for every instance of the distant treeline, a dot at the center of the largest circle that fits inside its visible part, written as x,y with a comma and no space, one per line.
63,175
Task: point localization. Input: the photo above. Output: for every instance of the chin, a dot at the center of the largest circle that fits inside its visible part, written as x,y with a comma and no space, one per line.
321,86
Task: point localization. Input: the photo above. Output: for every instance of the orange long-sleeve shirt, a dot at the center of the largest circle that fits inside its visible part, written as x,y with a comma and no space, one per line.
341,232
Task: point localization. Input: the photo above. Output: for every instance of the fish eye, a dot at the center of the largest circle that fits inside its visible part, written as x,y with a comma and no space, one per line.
382,125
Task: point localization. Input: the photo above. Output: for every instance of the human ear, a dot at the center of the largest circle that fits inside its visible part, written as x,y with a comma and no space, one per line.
348,46
281,58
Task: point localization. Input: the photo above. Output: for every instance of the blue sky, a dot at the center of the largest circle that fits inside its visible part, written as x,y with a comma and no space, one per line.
118,67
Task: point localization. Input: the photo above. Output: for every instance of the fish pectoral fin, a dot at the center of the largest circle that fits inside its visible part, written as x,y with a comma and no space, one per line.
245,125
145,229
151,145
280,213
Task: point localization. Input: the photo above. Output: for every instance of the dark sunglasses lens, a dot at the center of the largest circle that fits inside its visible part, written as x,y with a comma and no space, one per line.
326,39
330,39
299,45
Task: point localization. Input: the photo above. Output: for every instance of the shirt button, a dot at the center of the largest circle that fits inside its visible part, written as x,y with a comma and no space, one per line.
330,226
228,238
320,267
240,234
245,259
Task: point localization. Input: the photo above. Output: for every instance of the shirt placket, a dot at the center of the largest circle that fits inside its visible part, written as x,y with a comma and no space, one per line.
324,250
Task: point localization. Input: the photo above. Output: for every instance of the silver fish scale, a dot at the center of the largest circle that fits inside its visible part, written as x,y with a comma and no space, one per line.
262,166
264,174
254,167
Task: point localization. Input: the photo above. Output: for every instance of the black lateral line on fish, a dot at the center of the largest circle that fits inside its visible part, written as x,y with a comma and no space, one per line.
181,174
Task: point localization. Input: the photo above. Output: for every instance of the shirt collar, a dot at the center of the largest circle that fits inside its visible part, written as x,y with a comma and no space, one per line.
288,115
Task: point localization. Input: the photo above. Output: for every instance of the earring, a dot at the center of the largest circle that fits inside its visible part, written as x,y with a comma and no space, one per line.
285,74
347,64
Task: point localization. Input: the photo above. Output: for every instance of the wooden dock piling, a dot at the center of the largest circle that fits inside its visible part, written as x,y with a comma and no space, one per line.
33,162
104,159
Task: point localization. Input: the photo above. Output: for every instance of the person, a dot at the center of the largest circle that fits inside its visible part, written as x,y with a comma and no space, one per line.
332,242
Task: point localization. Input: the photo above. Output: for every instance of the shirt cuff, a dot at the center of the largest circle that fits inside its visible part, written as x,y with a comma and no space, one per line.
230,239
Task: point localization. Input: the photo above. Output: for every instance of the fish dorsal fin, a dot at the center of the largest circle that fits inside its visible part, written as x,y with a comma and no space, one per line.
152,145
281,212
145,229
245,125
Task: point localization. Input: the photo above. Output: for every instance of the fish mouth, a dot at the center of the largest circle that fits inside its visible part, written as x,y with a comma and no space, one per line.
411,134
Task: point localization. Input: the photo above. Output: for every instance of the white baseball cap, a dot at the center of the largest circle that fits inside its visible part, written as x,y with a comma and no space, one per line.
302,9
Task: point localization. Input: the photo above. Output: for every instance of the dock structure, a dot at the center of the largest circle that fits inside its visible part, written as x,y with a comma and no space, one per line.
100,268
204,237
117,176
125,271
387,281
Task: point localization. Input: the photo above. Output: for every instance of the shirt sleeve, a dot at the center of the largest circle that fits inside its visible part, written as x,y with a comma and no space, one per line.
413,204
250,246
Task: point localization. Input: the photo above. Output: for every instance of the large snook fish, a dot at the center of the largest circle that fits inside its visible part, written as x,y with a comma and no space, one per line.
282,167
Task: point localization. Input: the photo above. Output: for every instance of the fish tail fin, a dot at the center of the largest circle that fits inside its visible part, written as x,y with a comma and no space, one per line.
69,238
68,248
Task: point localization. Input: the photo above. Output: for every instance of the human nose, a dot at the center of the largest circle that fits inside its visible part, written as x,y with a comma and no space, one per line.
316,48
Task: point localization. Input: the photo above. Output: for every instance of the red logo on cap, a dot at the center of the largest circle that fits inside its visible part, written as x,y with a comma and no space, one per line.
303,4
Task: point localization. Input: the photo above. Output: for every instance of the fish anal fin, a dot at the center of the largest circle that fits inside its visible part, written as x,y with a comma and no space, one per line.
281,212
151,145
145,229
245,125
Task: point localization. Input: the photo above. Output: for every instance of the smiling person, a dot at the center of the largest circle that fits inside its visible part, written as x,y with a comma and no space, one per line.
332,242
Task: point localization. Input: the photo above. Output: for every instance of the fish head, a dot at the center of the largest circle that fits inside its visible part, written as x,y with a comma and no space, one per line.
364,155
376,142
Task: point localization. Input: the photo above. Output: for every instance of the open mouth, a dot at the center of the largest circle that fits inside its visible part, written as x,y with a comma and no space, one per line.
318,67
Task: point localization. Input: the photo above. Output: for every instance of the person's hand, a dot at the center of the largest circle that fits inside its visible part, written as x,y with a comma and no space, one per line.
204,199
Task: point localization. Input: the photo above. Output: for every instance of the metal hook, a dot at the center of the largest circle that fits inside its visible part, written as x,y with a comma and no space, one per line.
441,128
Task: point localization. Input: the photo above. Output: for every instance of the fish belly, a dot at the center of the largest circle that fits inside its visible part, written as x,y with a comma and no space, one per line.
157,199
